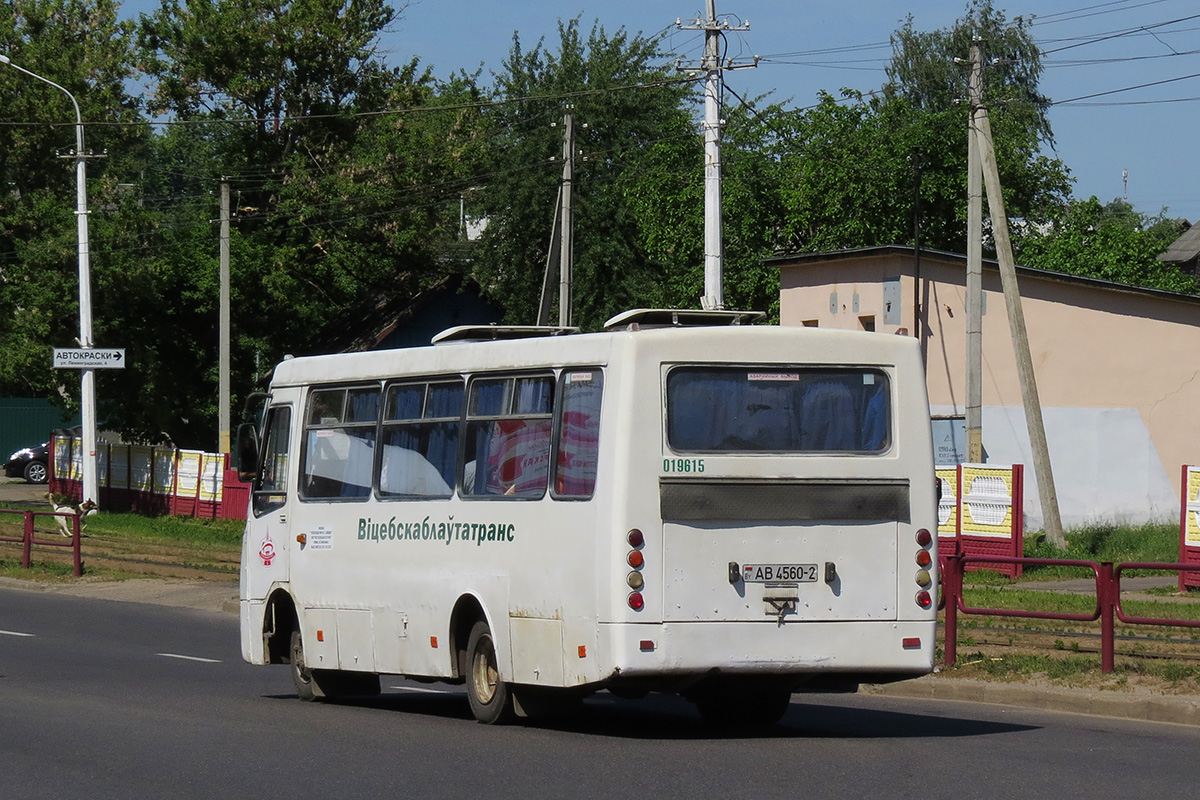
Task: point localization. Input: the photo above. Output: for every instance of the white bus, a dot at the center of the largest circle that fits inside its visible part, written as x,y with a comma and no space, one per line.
681,503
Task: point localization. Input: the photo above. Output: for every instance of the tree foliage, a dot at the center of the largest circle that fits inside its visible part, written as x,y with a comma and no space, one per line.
637,125
1111,241
348,174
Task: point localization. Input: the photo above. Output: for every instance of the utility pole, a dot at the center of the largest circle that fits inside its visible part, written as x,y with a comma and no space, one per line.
87,388
975,263
711,66
223,358
1016,323
918,161
567,239
553,256
560,256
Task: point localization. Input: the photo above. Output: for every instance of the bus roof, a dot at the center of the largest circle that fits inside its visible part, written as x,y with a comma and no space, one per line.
735,344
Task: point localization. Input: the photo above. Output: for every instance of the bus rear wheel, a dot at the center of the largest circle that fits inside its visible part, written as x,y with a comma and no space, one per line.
490,698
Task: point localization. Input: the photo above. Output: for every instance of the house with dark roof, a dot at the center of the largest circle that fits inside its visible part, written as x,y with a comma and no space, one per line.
1185,251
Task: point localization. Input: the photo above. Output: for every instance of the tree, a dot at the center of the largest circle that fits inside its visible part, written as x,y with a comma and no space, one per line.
82,46
1112,242
638,130
346,176
928,68
851,163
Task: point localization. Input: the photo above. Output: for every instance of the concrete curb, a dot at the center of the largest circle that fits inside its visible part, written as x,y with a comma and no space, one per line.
1179,709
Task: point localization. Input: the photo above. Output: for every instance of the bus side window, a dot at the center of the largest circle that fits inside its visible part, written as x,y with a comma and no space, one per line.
339,443
507,447
578,433
270,489
419,446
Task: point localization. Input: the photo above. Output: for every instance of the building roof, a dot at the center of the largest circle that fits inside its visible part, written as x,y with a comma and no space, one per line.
1185,248
988,263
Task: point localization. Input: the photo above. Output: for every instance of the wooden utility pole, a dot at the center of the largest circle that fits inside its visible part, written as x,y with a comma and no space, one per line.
1016,323
561,254
553,254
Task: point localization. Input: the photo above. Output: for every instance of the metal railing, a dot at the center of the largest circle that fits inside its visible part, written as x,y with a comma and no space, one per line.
1108,599
28,538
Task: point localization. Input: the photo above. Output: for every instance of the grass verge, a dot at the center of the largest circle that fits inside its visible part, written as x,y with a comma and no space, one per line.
119,546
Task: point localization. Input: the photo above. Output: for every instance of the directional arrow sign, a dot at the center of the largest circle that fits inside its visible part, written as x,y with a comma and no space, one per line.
89,358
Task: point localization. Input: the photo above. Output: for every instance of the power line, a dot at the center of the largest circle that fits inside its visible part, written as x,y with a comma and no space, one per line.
1125,89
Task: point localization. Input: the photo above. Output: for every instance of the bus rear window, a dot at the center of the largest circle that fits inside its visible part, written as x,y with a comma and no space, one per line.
778,410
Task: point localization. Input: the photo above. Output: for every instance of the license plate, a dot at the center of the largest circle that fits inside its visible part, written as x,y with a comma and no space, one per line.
779,573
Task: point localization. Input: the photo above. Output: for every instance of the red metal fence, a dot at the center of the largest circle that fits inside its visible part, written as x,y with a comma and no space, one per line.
28,538
1108,599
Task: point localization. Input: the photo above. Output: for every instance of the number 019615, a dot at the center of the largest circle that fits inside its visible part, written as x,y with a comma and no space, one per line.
683,465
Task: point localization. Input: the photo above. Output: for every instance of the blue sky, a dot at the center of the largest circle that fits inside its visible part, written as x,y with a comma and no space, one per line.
1091,46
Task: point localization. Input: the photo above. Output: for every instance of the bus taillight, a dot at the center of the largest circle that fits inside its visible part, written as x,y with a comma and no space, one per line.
924,538
636,560
924,600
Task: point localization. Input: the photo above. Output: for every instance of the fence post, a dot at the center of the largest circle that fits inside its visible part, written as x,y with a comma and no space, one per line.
27,542
76,543
952,588
1106,594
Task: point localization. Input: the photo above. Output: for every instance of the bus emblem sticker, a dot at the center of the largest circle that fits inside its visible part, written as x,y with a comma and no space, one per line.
267,551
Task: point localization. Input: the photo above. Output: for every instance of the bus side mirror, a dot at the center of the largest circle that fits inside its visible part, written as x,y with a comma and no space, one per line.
247,452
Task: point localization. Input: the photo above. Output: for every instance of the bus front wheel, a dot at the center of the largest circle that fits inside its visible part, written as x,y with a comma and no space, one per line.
326,684
307,687
491,701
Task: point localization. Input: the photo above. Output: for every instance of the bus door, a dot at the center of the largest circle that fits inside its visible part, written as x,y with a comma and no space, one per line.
265,550
768,513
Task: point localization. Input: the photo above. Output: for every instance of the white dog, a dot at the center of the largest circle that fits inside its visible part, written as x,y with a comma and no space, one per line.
63,505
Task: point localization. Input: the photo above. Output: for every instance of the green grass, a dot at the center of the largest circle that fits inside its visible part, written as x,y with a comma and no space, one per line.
120,546
1074,667
1001,597
1095,543
159,530
39,570
1116,543
222,532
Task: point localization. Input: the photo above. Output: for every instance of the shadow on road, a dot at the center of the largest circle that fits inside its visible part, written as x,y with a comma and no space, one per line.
668,717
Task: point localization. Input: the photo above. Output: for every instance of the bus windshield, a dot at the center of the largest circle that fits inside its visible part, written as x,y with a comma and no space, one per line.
778,410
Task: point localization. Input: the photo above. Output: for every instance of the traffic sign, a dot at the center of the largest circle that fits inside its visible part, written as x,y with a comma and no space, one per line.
89,358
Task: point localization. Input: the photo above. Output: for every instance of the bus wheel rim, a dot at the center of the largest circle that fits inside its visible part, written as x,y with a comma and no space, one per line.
484,674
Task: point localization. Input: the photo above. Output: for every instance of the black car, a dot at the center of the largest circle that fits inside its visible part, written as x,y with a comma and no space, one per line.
30,463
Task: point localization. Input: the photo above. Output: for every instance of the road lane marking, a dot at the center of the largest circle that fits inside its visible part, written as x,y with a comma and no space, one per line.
14,633
191,658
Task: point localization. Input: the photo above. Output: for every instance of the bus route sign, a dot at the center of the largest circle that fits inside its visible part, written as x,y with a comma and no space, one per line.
89,358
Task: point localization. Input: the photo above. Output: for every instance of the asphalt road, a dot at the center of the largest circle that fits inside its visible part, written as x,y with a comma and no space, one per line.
103,699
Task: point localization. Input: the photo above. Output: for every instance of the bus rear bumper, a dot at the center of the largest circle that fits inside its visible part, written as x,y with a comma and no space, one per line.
863,651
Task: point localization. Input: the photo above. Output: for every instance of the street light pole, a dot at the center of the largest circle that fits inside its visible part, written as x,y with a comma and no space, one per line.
88,378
